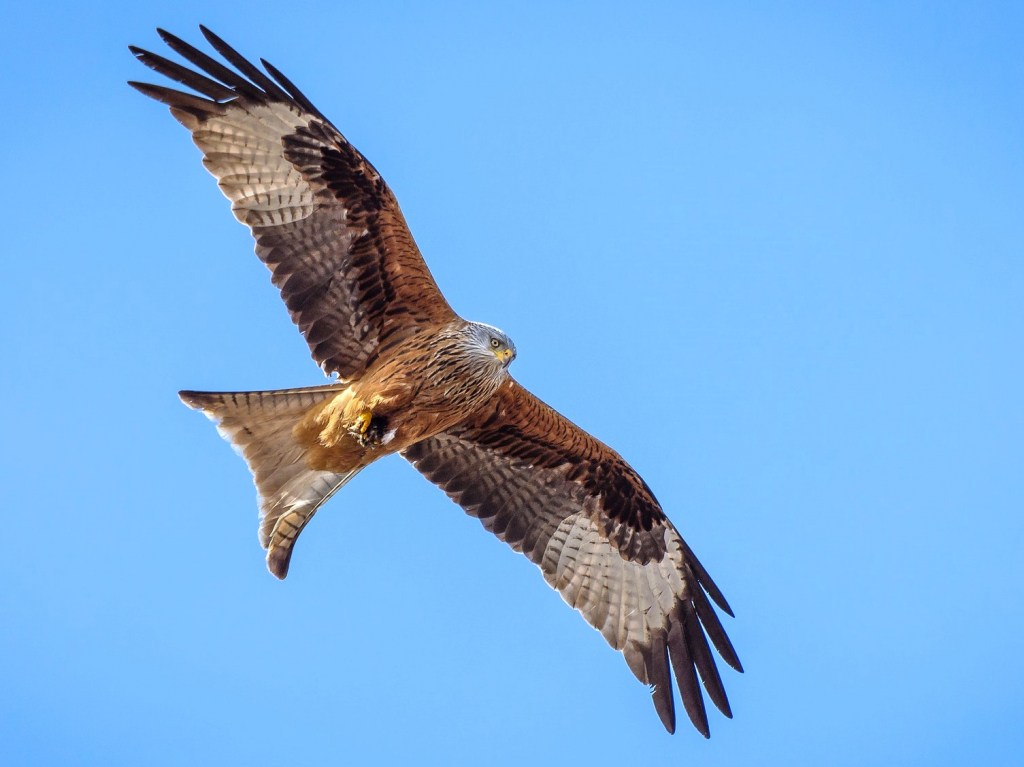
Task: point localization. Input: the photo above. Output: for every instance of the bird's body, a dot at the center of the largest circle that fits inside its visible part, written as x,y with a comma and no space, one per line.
416,379
423,387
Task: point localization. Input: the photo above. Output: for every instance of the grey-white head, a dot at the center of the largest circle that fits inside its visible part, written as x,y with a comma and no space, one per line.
492,344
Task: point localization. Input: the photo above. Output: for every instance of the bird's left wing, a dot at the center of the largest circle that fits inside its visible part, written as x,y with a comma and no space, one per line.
576,509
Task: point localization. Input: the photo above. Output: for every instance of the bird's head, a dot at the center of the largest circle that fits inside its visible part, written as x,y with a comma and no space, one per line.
493,343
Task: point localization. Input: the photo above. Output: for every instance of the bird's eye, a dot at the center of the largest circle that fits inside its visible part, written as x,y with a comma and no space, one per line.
495,343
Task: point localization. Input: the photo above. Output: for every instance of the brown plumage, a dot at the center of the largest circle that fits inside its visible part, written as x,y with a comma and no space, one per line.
416,379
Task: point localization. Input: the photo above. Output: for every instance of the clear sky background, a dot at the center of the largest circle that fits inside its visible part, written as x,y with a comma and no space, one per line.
772,253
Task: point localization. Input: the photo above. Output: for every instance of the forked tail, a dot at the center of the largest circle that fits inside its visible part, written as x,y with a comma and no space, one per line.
260,426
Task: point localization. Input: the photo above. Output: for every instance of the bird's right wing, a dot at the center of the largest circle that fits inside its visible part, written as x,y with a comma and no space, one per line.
576,509
325,223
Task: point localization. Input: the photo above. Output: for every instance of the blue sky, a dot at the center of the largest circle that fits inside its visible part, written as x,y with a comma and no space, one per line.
772,253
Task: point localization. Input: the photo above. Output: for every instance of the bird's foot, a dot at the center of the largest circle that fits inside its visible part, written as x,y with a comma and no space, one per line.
369,430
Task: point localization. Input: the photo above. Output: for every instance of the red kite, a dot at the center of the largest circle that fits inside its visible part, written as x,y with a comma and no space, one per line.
416,379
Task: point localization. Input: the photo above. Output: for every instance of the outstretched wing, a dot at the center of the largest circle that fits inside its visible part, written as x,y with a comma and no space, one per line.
325,223
578,511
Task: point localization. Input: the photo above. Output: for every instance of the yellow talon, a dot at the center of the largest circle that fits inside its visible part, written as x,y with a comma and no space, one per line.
363,422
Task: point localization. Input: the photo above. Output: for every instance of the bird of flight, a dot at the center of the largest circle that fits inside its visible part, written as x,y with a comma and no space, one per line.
416,379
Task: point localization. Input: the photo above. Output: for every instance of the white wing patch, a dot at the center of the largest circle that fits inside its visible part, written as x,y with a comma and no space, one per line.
242,148
624,600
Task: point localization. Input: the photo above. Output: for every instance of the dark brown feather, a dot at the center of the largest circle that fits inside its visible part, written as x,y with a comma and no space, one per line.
716,632
298,96
682,653
186,102
659,676
245,67
238,85
183,75
706,582
702,658
329,229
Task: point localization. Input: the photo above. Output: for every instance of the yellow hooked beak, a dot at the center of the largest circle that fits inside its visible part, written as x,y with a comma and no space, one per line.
504,355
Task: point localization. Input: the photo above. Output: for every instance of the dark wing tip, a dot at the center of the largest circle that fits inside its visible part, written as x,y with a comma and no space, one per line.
714,629
157,92
196,400
243,65
665,706
704,579
684,660
659,675
701,657
298,96
222,83
188,109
